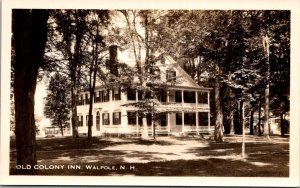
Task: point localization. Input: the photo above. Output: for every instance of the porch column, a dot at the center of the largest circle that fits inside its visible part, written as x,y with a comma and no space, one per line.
137,124
208,114
168,97
110,116
168,123
182,121
208,98
196,97
197,123
110,95
136,96
123,97
152,123
182,98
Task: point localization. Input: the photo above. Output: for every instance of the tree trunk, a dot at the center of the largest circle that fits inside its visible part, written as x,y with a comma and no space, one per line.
30,37
75,65
266,114
93,75
231,115
251,119
218,136
243,128
61,129
282,126
259,116
153,121
241,117
74,110
90,116
153,124
267,88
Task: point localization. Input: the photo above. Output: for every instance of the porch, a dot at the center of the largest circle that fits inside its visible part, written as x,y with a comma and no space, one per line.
159,130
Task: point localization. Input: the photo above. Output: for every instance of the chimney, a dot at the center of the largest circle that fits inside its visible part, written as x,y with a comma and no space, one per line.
113,60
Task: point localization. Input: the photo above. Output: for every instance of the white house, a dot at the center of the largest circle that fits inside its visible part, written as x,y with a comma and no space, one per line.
191,102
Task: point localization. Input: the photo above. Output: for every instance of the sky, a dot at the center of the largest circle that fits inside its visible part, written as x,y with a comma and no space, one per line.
39,104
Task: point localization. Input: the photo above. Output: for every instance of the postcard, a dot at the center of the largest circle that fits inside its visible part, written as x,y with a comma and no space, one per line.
159,93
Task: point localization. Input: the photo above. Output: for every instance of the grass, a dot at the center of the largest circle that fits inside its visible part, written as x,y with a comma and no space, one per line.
164,157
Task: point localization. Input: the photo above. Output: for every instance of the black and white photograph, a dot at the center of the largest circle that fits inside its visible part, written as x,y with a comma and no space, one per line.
164,92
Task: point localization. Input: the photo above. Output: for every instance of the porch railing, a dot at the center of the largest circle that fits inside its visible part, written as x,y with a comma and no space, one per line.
133,129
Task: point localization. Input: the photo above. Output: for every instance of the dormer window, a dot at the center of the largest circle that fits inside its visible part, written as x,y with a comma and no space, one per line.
171,75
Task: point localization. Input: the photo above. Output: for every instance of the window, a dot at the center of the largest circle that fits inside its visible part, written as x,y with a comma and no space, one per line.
140,119
98,121
178,96
131,96
203,118
95,96
190,119
149,119
203,97
105,118
163,120
156,73
148,95
80,121
116,94
105,95
117,118
131,116
178,118
171,95
140,95
152,69
80,100
171,75
189,96
87,98
87,120
98,96
162,95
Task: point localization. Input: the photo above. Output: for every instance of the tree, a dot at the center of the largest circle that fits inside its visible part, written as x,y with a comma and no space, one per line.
57,105
72,27
99,20
131,17
29,29
144,28
271,31
202,35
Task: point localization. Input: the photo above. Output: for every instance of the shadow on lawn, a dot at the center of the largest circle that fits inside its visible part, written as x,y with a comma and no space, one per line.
264,159
210,167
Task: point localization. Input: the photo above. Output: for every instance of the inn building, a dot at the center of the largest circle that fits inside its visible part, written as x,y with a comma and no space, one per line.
185,103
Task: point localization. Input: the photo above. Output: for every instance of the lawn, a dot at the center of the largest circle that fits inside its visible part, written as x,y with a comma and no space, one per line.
167,156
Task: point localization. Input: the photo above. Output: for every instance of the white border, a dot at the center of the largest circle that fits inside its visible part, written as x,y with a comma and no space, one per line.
8,5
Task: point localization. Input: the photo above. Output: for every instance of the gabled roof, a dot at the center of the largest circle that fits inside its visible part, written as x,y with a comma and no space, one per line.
188,81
